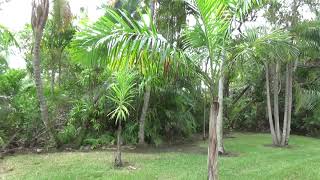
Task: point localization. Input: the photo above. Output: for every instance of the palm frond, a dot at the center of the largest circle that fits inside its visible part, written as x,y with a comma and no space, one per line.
118,36
6,39
307,98
259,44
122,93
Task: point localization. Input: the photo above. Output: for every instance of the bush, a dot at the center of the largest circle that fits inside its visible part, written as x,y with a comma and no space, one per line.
96,142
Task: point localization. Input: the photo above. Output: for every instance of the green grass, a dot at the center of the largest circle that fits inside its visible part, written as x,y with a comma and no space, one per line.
254,160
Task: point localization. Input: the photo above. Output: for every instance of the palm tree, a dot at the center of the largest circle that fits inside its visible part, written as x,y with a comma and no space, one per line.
58,36
269,47
39,16
121,95
214,29
139,42
117,35
307,36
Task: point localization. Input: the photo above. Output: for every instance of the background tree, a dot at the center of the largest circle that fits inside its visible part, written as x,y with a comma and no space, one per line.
57,36
40,11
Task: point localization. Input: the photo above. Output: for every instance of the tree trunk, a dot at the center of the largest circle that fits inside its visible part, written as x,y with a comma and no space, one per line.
59,67
289,104
226,92
220,116
152,8
39,86
118,160
204,116
286,108
53,74
274,138
144,111
212,149
276,101
205,103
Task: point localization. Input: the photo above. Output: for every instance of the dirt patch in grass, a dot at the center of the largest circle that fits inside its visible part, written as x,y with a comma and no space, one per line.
4,170
191,145
230,154
126,166
192,148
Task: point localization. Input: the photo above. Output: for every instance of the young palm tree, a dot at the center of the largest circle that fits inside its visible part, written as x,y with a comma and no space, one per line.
118,35
122,93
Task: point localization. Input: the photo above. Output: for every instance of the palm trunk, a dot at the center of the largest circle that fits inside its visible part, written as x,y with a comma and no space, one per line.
152,8
220,116
145,107
204,117
274,138
205,103
226,92
286,108
212,149
53,74
289,104
118,160
39,85
276,101
59,67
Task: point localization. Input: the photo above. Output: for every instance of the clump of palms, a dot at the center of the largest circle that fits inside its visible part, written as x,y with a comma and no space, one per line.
121,94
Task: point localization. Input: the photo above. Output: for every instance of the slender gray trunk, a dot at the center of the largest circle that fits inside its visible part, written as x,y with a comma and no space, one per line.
204,118
286,108
220,115
289,104
226,92
153,8
144,111
274,138
205,103
276,101
212,149
39,86
53,74
59,69
118,160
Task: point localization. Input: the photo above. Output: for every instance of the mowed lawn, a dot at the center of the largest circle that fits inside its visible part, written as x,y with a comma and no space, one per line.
250,159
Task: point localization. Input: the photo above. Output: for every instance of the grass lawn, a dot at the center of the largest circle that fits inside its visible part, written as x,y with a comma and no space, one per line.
254,160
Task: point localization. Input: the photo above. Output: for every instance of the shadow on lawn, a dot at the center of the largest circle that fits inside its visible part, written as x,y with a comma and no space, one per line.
194,145
282,147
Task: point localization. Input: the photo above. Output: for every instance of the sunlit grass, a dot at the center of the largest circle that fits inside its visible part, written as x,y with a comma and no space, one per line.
254,160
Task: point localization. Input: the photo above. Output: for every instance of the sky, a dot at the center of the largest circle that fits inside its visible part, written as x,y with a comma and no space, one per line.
16,13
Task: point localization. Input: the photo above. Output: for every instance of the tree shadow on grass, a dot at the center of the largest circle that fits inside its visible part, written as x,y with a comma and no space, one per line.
280,147
189,148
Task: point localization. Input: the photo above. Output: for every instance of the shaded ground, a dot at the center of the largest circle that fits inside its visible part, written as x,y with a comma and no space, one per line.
254,160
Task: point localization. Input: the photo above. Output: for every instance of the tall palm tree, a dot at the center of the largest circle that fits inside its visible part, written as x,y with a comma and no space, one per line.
307,36
214,29
266,48
39,16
